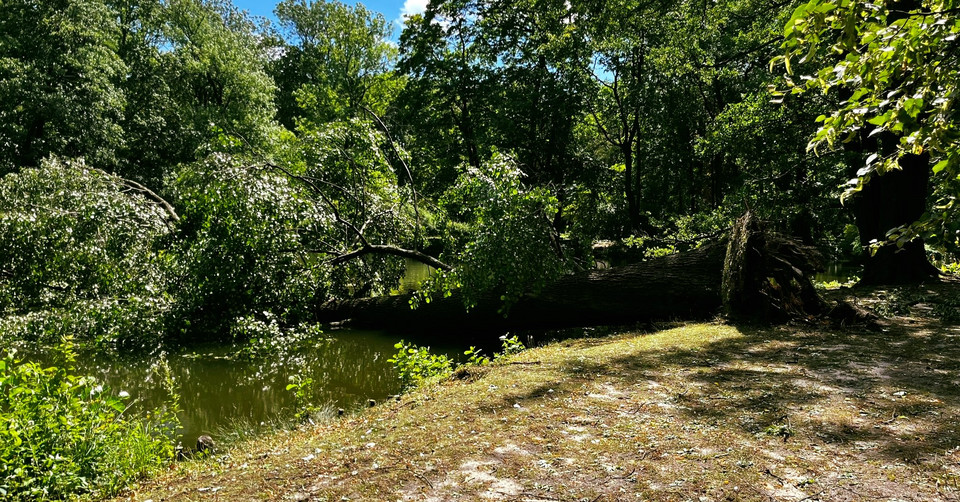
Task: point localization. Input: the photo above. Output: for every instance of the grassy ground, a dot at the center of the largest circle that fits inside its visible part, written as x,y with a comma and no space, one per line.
696,412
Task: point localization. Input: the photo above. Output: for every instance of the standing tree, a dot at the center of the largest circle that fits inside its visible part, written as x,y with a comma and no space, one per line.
59,82
895,64
338,61
217,78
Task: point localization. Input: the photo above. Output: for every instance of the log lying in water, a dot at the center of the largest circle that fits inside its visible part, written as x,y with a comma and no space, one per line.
768,277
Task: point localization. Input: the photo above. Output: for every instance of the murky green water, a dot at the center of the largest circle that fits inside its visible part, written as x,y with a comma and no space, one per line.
218,389
839,271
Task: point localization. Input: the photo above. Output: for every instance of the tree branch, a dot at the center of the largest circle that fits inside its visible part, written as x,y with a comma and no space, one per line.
393,144
151,195
330,205
394,251
365,246
146,192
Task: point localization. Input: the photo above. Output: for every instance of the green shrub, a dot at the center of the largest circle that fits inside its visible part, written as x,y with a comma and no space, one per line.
510,345
62,435
303,390
416,364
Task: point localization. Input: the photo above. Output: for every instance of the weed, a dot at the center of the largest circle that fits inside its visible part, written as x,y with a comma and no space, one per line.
951,269
62,435
509,346
302,389
416,364
475,357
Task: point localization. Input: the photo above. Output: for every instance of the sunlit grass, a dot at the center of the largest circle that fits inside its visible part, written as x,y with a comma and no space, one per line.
700,411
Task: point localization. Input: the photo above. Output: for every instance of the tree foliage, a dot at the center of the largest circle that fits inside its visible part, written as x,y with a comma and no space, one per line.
258,171
79,255
507,244
335,61
59,83
239,246
895,62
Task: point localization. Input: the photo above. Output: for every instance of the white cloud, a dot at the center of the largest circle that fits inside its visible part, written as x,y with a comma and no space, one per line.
411,7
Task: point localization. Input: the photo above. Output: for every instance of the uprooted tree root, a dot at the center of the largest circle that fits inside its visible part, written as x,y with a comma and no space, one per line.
767,277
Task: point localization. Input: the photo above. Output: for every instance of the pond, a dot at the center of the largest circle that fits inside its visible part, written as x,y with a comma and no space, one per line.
219,390
839,271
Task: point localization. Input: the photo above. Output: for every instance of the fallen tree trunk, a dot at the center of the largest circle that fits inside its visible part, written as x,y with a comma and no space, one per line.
754,274
679,286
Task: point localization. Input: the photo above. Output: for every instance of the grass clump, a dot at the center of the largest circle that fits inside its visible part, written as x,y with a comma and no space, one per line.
63,436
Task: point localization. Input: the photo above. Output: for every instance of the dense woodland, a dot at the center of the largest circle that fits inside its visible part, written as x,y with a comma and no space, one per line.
176,171
179,171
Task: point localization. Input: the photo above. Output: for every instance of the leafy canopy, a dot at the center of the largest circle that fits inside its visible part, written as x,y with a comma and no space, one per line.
895,64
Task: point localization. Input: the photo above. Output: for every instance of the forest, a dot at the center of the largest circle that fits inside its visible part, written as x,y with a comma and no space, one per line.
178,172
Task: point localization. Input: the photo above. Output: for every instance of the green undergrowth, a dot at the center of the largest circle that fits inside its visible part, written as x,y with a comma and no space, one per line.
64,436
417,365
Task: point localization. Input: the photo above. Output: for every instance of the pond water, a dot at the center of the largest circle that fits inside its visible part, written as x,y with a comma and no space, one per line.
839,271
219,390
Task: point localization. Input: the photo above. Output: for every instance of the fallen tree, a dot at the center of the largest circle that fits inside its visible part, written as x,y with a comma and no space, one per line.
751,274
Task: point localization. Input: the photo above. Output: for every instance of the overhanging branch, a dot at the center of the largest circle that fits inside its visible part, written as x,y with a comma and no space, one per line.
394,251
151,195
144,191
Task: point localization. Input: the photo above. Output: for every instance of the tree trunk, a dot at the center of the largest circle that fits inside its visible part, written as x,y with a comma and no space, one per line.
679,286
886,202
761,276
768,276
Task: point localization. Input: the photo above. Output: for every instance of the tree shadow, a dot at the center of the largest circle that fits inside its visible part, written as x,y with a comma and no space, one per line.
894,394
891,396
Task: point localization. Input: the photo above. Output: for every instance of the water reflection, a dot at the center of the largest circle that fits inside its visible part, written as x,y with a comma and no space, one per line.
217,389
839,271
414,274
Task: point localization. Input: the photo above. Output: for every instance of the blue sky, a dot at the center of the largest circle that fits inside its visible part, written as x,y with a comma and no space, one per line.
391,9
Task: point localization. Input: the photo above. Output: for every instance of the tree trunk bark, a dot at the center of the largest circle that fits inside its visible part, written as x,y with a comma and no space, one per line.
896,198
768,276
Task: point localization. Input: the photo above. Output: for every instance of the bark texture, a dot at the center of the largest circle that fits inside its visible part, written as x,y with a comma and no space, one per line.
768,276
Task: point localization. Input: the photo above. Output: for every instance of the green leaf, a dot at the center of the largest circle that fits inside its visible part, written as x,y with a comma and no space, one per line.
116,404
880,120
